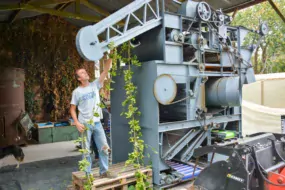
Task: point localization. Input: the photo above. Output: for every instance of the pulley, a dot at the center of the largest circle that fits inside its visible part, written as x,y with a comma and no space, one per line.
201,10
218,18
263,29
88,45
204,11
165,89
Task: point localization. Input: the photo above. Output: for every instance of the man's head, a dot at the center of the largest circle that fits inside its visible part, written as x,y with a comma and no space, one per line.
81,75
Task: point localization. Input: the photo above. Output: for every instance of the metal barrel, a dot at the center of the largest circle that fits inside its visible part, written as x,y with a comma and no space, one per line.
223,92
12,103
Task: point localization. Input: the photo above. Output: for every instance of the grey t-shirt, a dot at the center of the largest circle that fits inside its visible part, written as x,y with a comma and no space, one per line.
87,99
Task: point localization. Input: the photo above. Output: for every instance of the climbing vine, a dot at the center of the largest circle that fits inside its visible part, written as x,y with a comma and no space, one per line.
83,164
131,111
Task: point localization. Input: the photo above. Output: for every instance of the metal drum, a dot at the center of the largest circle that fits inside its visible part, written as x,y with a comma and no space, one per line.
223,92
12,103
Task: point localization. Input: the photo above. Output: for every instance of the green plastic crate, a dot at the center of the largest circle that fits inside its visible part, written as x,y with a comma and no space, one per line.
57,134
65,133
45,135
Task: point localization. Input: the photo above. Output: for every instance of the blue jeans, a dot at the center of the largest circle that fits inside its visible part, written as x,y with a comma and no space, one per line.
97,132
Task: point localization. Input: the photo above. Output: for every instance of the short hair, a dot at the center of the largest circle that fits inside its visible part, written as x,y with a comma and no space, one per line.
75,74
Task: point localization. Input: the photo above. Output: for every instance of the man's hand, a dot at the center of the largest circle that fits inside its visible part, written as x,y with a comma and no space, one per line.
80,127
107,66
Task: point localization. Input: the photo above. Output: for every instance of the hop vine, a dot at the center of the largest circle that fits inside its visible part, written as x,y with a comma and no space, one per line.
83,164
131,111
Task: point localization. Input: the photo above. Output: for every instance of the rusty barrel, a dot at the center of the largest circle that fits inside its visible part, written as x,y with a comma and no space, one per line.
12,103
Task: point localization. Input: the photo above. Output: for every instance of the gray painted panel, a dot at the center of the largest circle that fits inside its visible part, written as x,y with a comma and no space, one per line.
171,21
149,119
164,127
173,53
178,72
151,47
119,129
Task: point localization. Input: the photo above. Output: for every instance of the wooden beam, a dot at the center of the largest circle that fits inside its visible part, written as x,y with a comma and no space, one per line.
10,7
99,10
18,6
16,13
49,2
63,6
242,6
277,10
95,8
234,14
77,6
14,16
57,11
64,14
51,12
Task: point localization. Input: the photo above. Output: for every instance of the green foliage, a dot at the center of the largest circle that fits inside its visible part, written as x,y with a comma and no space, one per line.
31,105
131,112
80,140
269,56
83,164
131,187
45,47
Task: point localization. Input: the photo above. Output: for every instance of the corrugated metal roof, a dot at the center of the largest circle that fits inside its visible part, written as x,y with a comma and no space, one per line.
109,6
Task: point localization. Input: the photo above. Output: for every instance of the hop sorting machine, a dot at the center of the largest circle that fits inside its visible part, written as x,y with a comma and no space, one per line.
253,163
190,83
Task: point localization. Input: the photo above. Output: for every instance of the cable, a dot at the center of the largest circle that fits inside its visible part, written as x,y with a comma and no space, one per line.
178,101
253,168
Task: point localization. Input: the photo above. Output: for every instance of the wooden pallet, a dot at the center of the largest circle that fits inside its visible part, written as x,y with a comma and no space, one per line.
70,187
126,177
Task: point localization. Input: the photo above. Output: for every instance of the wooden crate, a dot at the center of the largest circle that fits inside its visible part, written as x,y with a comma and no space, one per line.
126,177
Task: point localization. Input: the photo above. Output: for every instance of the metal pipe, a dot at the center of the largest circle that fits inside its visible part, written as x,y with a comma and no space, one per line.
240,84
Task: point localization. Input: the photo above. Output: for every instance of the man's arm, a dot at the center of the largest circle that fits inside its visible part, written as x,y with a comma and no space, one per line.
79,126
104,74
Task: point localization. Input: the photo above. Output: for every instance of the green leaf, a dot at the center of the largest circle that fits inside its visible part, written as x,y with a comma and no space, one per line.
131,187
78,140
83,151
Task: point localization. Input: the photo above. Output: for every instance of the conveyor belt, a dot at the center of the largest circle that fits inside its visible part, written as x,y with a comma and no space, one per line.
186,170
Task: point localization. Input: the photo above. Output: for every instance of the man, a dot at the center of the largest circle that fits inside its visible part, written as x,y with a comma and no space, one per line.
86,98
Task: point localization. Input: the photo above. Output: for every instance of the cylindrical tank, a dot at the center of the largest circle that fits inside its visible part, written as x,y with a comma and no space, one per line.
12,103
223,92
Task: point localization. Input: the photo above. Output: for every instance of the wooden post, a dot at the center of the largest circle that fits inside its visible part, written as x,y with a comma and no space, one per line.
277,10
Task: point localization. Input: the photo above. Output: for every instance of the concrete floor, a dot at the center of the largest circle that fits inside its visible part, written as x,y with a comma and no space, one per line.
40,152
46,167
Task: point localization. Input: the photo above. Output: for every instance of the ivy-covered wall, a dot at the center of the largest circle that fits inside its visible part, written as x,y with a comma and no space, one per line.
45,47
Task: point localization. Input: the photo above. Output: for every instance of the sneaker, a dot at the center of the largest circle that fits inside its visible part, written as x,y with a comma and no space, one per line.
108,174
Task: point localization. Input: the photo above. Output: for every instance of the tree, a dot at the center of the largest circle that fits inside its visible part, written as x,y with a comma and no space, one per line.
269,57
